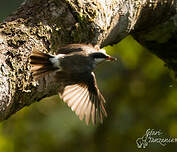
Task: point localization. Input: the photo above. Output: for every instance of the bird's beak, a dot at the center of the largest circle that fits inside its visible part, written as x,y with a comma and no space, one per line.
110,58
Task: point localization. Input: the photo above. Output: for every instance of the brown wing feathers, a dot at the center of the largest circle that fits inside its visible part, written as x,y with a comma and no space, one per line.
85,102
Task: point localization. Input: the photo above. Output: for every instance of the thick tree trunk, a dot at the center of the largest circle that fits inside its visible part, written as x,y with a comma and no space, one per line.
49,24
156,29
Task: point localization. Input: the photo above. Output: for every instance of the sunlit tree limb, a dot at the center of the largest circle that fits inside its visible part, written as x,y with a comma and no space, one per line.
49,24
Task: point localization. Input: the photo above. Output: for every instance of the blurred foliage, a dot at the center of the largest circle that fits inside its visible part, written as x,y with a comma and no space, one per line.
7,7
140,94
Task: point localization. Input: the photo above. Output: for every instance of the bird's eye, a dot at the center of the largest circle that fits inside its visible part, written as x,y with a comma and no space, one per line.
99,55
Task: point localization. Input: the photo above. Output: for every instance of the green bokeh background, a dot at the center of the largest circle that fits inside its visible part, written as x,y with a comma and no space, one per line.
140,95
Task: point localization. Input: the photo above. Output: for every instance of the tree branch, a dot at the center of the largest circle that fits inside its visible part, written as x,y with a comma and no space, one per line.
49,24
158,31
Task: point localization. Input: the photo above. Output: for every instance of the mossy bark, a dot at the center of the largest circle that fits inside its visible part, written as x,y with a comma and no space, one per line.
50,24
157,31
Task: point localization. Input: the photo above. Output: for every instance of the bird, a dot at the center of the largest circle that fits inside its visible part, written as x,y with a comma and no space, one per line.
74,66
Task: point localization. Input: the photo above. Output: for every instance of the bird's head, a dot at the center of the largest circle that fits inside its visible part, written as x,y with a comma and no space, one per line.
101,56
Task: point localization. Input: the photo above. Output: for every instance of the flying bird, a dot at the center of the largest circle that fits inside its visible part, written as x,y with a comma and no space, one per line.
73,66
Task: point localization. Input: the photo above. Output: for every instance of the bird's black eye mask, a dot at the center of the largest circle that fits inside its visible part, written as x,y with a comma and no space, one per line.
98,55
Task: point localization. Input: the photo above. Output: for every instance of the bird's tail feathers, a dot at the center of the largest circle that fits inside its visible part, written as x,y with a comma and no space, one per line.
40,64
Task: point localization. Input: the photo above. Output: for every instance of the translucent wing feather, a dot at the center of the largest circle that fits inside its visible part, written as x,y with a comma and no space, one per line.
85,100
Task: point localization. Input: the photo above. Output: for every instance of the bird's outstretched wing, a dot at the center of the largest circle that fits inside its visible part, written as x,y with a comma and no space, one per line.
85,99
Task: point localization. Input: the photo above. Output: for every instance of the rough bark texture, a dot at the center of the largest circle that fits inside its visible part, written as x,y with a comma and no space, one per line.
49,24
156,29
